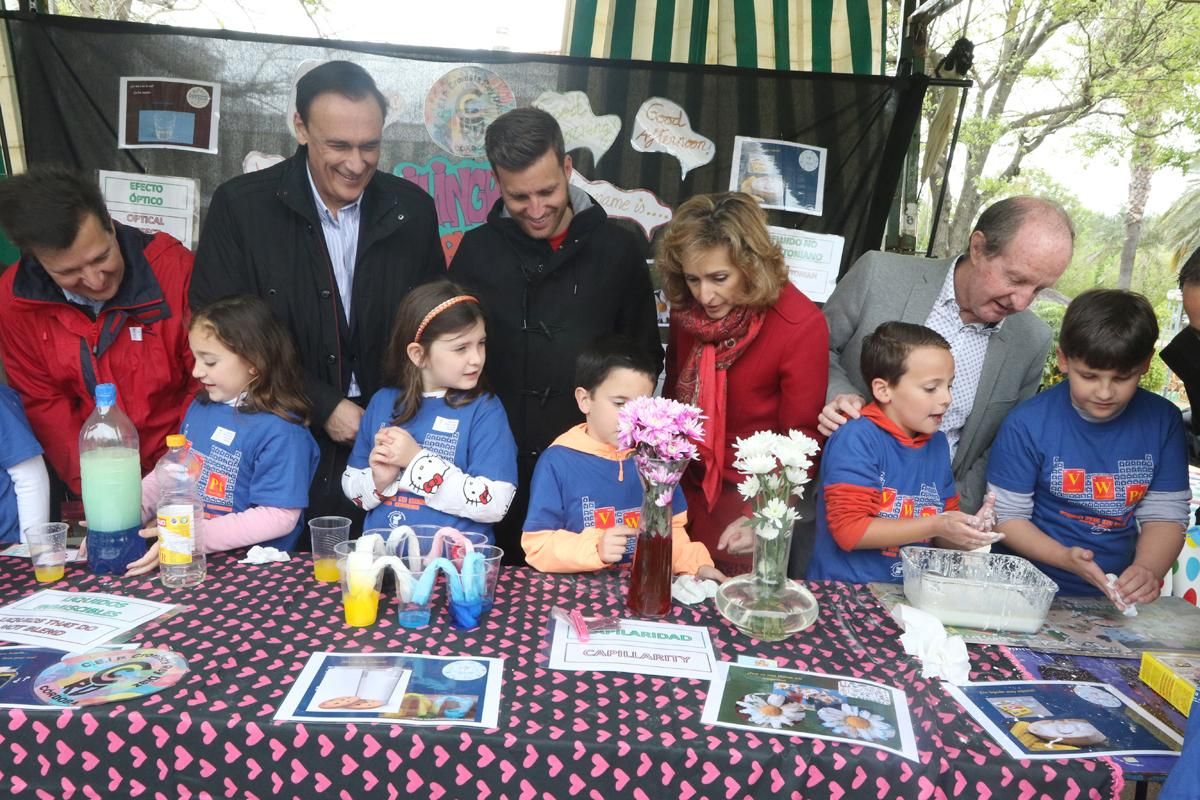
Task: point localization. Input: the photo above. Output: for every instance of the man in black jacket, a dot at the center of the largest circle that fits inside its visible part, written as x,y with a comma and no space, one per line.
1182,355
332,245
553,273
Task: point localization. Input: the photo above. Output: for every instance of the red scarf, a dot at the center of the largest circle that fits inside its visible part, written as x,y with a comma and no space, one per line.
702,381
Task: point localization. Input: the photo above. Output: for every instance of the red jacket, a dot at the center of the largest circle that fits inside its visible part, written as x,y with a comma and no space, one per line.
778,383
55,354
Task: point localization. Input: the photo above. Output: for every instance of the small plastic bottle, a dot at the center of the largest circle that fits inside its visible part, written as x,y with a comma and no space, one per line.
111,478
181,560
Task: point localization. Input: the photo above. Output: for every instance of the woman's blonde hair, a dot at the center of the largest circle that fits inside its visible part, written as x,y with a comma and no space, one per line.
731,219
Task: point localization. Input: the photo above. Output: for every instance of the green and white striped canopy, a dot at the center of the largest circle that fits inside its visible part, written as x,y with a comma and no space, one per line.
807,35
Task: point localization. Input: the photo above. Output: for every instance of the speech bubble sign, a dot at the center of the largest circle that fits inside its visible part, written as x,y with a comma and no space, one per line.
256,160
662,126
638,205
580,125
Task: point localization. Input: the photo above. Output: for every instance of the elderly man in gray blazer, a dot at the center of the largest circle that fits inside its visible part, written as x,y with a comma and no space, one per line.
978,302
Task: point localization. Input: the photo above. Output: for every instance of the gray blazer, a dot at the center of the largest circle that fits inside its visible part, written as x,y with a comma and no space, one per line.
886,286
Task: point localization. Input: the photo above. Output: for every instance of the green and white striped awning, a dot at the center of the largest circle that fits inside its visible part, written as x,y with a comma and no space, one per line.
808,35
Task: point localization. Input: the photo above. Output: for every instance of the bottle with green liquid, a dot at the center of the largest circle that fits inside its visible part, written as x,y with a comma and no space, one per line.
111,478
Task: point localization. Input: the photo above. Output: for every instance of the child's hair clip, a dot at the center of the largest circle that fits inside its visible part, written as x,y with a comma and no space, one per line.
585,626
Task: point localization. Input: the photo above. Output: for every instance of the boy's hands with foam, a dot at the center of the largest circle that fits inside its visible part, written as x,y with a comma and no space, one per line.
960,531
1137,584
612,544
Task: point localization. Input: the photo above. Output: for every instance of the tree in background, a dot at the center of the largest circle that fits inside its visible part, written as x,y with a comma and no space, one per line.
1045,66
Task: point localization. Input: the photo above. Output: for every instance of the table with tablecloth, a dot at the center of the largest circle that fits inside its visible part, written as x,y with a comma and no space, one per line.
248,630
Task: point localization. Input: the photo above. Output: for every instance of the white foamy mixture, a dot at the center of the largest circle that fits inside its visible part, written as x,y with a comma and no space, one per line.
974,606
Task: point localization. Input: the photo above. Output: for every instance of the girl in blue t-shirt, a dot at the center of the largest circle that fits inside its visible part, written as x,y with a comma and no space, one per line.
434,446
247,426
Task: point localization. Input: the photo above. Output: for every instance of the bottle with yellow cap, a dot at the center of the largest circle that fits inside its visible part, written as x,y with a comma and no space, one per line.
180,555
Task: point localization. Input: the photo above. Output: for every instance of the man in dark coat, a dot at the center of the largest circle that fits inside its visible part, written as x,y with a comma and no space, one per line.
553,273
1182,355
332,245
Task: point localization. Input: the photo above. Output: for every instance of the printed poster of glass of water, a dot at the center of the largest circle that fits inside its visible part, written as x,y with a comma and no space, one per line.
169,113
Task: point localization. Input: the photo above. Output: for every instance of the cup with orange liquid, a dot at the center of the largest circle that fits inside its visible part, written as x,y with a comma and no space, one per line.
327,533
47,550
361,584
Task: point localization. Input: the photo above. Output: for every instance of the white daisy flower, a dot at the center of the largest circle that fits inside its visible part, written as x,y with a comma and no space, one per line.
856,723
770,711
757,464
749,487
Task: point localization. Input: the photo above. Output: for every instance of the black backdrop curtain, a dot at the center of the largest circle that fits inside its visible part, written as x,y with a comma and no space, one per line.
68,72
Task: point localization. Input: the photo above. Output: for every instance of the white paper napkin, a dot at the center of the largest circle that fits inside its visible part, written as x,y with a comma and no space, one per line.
925,637
264,555
689,590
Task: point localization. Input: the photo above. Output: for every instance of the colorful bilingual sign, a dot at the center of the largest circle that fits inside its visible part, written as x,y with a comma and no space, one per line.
461,104
463,191
638,205
662,126
580,126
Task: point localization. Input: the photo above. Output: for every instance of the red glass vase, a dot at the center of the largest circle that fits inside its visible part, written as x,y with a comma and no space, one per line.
650,578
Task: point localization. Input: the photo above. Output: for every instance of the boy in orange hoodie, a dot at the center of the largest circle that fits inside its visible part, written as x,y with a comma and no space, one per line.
585,499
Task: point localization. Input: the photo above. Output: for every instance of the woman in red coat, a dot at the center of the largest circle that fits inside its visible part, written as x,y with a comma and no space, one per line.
745,346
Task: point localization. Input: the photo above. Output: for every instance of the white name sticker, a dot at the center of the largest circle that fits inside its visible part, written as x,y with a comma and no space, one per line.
135,334
444,425
223,436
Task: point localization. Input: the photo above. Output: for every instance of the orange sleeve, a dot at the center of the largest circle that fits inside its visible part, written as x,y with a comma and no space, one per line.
849,509
687,557
952,503
563,550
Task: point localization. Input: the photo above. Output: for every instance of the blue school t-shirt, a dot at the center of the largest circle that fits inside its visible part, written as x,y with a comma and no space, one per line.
474,437
1088,477
572,490
250,460
17,444
912,482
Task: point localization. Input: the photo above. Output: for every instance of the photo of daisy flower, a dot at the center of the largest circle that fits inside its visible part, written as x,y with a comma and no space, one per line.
855,723
770,710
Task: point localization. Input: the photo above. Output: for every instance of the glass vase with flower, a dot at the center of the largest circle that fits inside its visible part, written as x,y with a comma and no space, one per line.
662,434
765,603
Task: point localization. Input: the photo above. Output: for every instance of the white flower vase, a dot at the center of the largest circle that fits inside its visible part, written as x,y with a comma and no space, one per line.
764,603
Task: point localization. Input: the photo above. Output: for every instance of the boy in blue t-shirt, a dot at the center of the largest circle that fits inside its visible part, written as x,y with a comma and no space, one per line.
1091,475
585,499
24,484
885,477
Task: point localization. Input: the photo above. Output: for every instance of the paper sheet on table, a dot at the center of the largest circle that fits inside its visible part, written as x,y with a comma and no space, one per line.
397,689
789,702
648,648
75,621
1037,719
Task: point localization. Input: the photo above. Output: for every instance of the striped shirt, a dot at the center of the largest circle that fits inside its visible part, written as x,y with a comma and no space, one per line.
341,241
968,345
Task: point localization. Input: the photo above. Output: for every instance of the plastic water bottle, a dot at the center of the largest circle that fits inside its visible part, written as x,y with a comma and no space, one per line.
111,477
180,555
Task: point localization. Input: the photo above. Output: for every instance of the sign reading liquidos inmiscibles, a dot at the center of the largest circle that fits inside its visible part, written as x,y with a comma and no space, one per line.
152,202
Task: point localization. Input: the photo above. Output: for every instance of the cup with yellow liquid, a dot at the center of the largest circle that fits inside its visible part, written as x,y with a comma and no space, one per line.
361,584
47,550
327,533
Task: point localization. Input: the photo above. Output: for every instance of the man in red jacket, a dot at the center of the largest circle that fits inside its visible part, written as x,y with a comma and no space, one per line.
91,301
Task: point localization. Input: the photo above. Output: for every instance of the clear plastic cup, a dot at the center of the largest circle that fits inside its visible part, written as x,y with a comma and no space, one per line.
416,615
47,550
361,586
478,590
327,532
